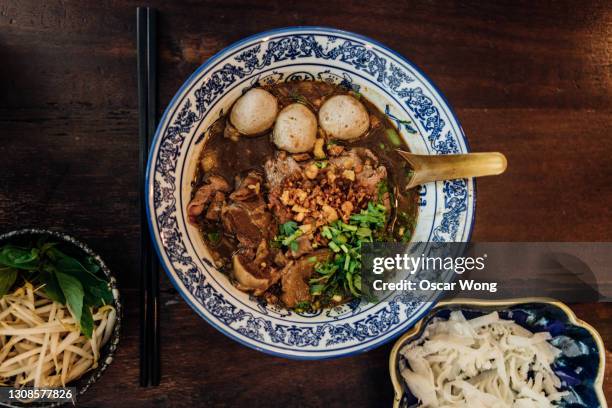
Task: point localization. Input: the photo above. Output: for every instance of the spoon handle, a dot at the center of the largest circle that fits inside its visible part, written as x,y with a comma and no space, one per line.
429,168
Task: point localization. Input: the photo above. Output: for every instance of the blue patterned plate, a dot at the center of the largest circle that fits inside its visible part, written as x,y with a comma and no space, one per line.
580,365
396,86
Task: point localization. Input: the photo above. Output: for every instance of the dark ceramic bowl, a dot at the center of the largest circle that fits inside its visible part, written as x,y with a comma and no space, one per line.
580,366
107,352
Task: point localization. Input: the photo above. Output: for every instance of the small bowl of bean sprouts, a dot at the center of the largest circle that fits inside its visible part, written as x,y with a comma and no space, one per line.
60,313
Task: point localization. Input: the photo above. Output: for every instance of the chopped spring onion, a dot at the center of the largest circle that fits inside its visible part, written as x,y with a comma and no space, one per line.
393,137
339,277
289,232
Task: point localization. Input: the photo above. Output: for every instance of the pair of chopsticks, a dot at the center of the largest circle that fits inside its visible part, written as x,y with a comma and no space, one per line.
146,24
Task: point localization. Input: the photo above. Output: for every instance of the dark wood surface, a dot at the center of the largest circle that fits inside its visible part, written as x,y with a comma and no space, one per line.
532,81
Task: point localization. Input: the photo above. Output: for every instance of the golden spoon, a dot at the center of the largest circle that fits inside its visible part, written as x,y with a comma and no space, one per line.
427,168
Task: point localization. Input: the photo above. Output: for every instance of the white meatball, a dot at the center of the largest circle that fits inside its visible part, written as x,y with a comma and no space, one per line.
344,117
254,112
296,129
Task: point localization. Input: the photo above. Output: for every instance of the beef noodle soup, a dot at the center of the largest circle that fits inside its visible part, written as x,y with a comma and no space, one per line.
289,185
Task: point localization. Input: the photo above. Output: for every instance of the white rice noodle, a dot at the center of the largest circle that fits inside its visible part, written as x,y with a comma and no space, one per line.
485,362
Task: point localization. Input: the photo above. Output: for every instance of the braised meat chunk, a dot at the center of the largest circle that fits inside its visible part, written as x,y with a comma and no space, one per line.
247,215
295,276
279,168
248,188
203,196
253,270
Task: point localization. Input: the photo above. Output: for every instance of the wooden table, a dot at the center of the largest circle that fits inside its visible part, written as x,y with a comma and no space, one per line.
532,81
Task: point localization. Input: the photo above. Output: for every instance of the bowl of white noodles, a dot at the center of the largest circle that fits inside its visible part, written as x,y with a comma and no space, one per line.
517,353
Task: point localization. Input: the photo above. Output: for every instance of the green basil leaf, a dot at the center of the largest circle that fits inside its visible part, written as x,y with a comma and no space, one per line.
19,258
96,290
73,291
76,269
98,294
67,263
8,276
45,247
87,322
51,285
91,265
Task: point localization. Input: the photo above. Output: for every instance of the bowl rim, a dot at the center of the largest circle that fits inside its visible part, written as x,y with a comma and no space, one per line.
260,37
470,302
105,360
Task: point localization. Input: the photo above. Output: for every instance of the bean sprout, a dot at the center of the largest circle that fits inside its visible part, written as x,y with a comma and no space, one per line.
40,343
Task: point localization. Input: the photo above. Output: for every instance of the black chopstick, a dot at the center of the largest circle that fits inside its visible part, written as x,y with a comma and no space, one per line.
149,271
141,46
154,374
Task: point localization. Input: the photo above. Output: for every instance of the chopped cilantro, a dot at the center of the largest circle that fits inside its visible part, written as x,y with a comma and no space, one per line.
288,228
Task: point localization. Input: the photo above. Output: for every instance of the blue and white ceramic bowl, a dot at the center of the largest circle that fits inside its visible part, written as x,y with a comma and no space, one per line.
387,79
580,366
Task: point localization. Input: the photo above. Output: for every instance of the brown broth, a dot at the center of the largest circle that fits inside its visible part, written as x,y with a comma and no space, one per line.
235,158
